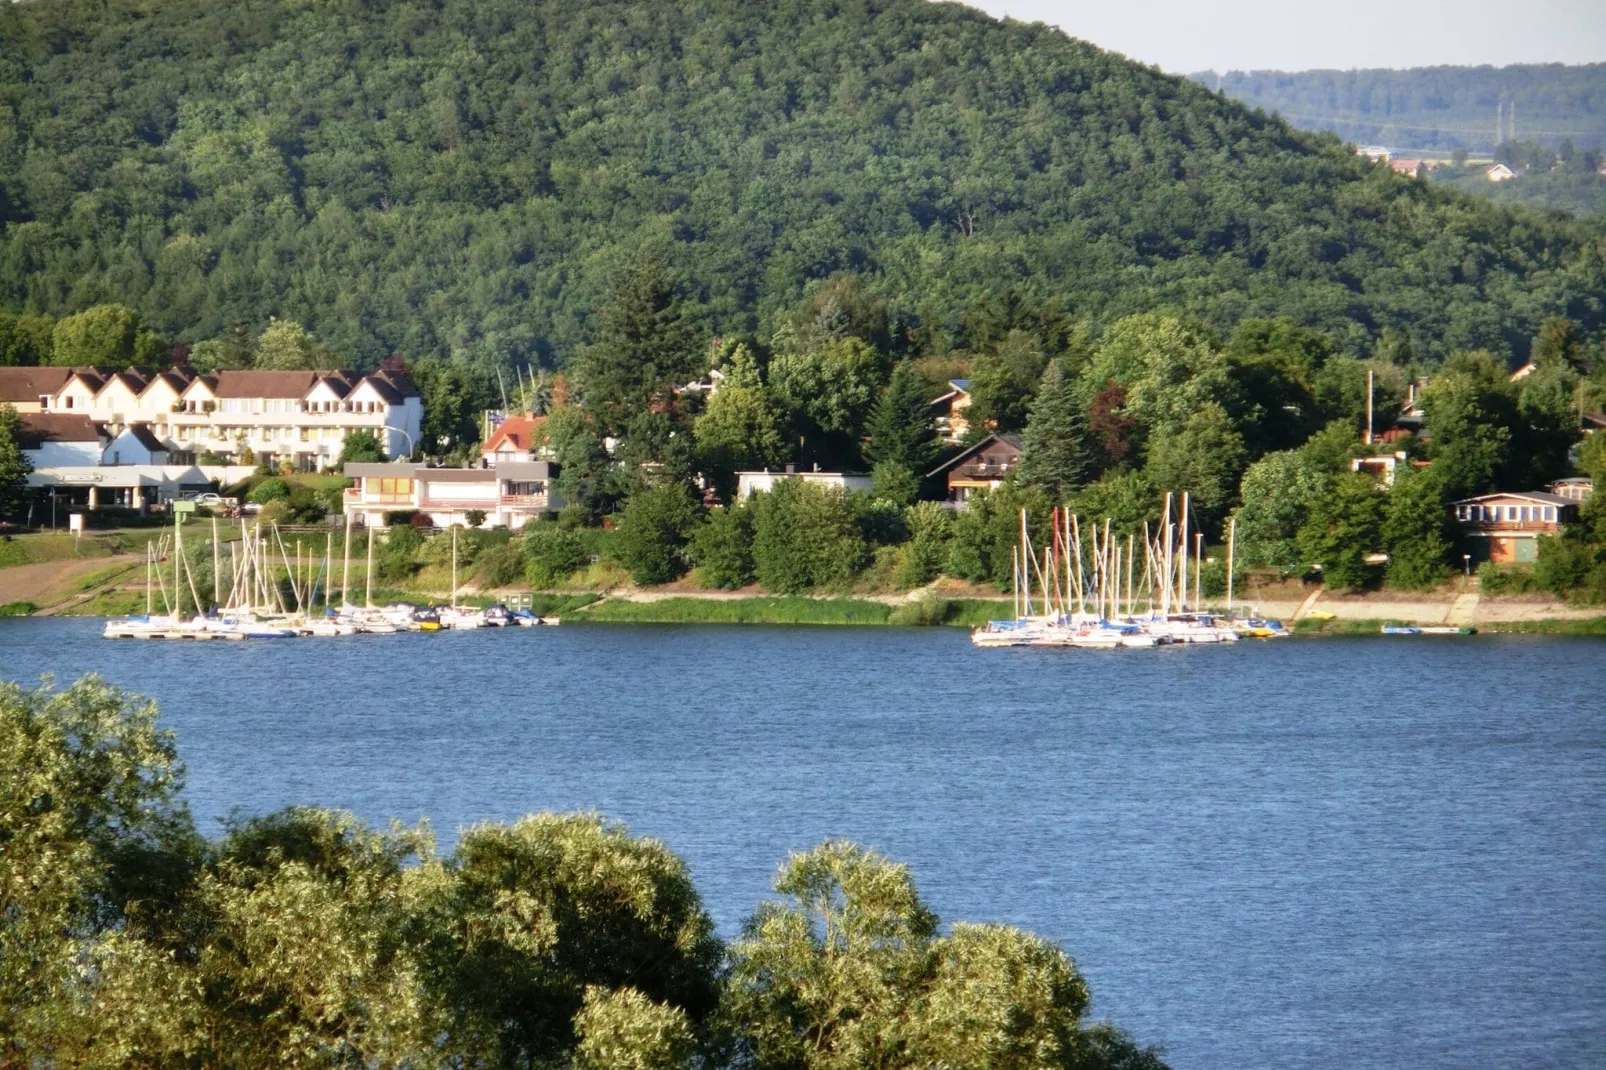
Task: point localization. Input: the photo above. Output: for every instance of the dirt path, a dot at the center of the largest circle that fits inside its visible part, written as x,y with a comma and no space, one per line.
47,582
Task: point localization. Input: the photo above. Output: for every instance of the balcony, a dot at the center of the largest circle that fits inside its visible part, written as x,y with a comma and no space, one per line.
1512,527
980,472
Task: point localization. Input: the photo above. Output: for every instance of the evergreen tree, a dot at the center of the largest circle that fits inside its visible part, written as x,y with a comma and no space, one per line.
646,345
14,466
901,428
1055,453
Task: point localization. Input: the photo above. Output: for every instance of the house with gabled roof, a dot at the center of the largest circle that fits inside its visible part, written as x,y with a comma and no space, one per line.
1505,527
59,439
948,412
31,389
513,442
983,466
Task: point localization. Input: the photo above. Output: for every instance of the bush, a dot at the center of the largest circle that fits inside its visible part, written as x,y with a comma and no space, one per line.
1514,579
17,609
269,490
499,566
805,536
654,530
926,611
400,517
891,481
552,554
475,517
723,548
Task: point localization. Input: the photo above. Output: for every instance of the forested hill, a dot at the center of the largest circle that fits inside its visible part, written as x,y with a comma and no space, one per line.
1435,110
460,177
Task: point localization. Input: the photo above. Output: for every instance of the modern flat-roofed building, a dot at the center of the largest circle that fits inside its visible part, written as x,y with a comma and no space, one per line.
510,495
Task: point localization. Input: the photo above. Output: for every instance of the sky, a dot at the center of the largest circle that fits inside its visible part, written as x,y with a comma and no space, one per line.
1183,36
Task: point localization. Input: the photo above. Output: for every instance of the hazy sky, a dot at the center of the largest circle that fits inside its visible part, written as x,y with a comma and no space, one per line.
1182,36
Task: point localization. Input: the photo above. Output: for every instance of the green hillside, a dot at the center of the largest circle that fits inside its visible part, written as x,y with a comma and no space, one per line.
459,179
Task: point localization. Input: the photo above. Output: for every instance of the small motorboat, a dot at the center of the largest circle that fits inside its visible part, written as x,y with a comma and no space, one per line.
425,620
497,616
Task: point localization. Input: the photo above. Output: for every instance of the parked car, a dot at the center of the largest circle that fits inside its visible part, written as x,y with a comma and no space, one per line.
208,499
251,507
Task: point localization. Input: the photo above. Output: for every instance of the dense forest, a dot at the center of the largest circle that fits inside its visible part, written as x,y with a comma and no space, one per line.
1434,110
457,182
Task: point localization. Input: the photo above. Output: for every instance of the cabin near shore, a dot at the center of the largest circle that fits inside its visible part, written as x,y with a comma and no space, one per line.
1505,527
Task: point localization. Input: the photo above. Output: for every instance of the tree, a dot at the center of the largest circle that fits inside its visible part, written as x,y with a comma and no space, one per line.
901,428
1343,527
1471,411
25,341
104,334
622,1029
583,462
14,466
1167,369
892,482
849,970
655,528
985,535
525,918
804,536
723,548
1277,493
1001,381
738,431
1416,529
361,447
94,834
1055,454
285,345
1205,458
645,345
1126,499
1275,363
828,392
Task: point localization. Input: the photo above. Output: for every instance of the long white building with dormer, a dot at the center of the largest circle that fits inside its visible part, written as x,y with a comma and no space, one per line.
224,417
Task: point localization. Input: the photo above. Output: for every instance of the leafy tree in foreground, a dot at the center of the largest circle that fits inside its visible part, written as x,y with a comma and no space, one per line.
1276,494
849,970
739,430
552,554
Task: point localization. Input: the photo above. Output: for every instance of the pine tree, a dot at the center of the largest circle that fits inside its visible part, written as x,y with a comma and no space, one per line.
645,346
1055,455
901,428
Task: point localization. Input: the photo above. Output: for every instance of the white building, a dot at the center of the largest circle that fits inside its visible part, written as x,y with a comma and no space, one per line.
302,417
750,483
54,440
510,495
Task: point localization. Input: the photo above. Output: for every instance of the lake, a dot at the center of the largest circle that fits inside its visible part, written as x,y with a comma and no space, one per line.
1378,852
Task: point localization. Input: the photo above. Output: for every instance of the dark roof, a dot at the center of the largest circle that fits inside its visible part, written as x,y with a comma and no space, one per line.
381,387
142,434
265,384
398,382
1008,439
30,384
37,428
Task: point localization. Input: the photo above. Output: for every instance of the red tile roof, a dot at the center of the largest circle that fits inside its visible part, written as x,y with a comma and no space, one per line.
516,432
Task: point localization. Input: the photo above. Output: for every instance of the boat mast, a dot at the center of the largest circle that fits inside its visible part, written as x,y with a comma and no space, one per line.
1182,544
345,565
1232,533
454,566
217,567
1198,570
1129,555
368,598
147,577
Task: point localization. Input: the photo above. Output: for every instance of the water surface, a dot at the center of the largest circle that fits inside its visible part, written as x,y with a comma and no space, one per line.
1339,853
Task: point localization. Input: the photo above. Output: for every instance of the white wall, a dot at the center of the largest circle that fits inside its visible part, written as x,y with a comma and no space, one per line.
65,455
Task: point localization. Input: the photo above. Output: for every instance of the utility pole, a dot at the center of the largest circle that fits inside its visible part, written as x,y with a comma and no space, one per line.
1368,406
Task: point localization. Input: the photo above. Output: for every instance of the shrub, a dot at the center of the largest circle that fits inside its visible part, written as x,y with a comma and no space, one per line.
805,536
723,548
498,566
926,611
654,530
1516,579
475,517
400,517
17,609
552,554
269,490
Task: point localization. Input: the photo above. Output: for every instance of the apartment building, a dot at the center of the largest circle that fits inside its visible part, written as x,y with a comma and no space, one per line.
510,495
273,417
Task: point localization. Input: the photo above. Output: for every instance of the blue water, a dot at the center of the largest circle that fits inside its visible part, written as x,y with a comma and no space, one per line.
1340,853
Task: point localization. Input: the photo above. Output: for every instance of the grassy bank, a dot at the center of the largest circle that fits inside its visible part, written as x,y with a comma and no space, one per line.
793,610
1589,626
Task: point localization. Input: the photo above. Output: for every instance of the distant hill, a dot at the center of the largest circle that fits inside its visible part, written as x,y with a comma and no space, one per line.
458,178
1434,110
1548,120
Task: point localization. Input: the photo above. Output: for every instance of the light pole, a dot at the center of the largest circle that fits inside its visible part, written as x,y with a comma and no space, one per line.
411,445
1466,562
